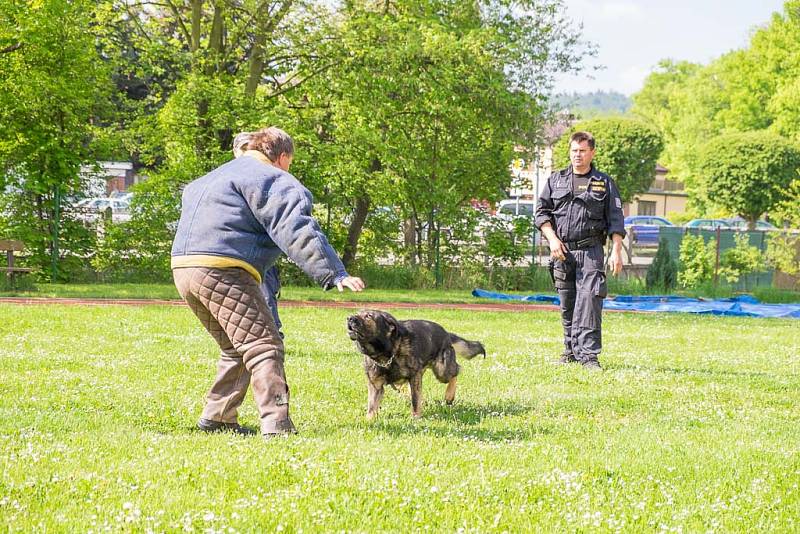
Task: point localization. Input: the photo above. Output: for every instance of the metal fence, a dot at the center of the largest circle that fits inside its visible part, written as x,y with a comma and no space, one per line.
725,240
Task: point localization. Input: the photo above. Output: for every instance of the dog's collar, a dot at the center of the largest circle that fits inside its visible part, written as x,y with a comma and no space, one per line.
385,365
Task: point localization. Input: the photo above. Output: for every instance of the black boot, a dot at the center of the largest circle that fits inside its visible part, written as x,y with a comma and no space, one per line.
567,357
207,425
592,365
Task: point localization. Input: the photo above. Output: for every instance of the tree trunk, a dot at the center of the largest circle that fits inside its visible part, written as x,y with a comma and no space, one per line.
354,231
215,41
256,63
410,239
197,17
431,242
256,66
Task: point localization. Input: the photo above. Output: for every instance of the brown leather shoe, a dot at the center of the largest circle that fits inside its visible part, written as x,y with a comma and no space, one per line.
207,425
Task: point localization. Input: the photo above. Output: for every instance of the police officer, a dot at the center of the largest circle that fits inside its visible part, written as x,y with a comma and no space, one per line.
578,209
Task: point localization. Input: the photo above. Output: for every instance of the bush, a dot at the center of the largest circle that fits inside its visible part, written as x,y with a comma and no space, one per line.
21,220
22,282
783,253
465,277
663,272
697,261
741,260
507,242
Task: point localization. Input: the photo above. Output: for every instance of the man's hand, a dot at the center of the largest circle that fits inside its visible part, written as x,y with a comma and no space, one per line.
353,282
557,249
615,261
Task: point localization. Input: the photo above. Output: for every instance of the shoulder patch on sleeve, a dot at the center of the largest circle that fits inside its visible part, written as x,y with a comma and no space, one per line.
618,202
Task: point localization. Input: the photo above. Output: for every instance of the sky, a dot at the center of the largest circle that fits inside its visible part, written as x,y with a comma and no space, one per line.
632,36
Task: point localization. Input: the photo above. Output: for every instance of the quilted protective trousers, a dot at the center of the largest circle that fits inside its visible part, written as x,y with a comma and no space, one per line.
232,308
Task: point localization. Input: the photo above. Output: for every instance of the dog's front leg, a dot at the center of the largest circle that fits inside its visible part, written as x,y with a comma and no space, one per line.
415,384
374,396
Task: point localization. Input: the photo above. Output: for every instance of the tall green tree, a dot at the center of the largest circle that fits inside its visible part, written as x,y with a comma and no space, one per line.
661,103
627,150
423,104
190,74
749,173
53,88
751,89
205,69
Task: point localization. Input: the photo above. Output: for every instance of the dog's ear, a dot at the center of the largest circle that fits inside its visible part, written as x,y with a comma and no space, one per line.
394,326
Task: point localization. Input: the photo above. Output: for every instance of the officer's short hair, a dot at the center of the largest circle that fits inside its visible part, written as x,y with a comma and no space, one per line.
580,137
272,142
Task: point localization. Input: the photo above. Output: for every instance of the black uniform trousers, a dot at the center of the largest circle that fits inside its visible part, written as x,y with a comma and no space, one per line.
581,284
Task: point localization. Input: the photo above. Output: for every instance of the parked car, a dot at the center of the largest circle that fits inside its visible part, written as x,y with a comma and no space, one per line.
737,223
643,230
707,224
515,206
92,208
510,208
126,196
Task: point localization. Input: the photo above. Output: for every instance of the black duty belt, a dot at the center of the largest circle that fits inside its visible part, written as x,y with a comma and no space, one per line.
587,242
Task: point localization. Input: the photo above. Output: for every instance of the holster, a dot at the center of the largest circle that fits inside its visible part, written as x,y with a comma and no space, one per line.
551,267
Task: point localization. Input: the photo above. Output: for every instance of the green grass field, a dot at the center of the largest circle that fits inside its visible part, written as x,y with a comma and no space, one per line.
694,426
167,291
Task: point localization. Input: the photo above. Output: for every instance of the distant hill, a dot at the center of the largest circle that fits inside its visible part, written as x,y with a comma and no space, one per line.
586,105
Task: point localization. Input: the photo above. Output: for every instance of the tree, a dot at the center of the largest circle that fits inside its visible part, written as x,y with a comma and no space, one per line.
662,274
422,106
751,89
696,261
749,173
661,103
227,59
189,75
53,88
627,150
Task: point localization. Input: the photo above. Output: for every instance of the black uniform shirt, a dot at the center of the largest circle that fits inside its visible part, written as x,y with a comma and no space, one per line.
576,213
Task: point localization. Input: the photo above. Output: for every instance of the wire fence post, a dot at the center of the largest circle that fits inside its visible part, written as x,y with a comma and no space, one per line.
716,261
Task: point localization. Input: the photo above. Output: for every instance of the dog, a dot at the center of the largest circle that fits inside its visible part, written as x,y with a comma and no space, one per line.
401,351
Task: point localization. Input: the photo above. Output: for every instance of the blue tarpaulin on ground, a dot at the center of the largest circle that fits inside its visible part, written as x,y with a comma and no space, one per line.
742,306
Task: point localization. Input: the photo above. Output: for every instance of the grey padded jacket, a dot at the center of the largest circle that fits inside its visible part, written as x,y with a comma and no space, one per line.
251,211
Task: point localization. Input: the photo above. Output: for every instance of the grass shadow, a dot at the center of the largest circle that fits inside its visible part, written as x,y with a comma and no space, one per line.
468,413
460,421
398,429
692,371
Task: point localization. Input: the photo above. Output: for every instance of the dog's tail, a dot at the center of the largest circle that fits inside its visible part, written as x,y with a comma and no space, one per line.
466,349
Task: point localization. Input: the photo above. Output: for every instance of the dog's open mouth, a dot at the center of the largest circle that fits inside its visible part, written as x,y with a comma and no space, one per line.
352,328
